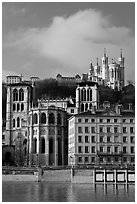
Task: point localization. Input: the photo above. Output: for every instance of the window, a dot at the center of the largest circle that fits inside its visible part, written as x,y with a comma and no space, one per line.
132,159
131,120
115,120
21,95
124,139
131,130
108,149
132,139
101,159
101,129
86,129
92,129
124,159
86,139
34,145
115,129
58,119
101,138
124,149
116,149
79,159
116,159
15,95
86,149
79,149
51,118
22,107
79,129
13,122
132,150
43,118
18,107
108,129
92,120
86,159
108,120
35,118
86,120
108,139
101,120
93,159
3,137
79,120
59,131
101,149
93,149
93,139
42,145
124,129
18,122
124,120
108,159
14,106
79,139
72,110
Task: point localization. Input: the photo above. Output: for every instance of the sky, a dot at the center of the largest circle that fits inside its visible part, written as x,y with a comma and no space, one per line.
48,38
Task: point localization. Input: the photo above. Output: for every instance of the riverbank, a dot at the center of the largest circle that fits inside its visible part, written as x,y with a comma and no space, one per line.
70,175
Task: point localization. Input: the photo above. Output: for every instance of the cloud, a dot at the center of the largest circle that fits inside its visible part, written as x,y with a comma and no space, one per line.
73,40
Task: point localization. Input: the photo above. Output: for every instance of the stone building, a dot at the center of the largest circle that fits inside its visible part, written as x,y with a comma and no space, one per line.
102,137
47,132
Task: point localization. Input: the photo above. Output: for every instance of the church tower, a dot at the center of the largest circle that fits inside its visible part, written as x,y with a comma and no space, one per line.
105,68
18,104
121,61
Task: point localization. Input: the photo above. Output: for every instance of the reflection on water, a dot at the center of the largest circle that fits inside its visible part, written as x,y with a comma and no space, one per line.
66,192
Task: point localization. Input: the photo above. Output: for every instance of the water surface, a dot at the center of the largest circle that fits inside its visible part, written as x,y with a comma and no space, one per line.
66,192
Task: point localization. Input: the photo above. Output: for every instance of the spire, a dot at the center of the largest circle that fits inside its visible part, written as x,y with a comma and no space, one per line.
97,61
121,52
105,52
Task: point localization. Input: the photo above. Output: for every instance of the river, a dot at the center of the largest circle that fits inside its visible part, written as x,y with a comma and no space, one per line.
66,192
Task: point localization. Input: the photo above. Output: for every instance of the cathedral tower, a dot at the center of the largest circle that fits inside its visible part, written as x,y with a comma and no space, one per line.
121,61
105,71
18,105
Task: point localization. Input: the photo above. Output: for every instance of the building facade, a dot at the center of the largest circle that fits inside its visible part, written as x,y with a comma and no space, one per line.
102,137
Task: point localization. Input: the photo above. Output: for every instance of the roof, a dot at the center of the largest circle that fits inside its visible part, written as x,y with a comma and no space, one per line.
20,84
90,83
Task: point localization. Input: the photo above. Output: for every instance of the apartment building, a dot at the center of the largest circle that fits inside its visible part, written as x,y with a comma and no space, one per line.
102,137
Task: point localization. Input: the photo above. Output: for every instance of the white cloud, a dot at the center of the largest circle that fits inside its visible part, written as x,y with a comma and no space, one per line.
73,40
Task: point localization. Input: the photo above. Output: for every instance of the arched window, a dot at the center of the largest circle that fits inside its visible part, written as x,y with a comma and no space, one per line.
22,107
90,95
15,95
88,91
14,106
82,107
90,105
14,122
58,119
51,118
21,95
18,107
18,122
43,118
42,145
35,118
86,107
34,145
84,95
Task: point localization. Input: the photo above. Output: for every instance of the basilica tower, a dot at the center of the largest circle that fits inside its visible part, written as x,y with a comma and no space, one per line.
121,61
105,68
